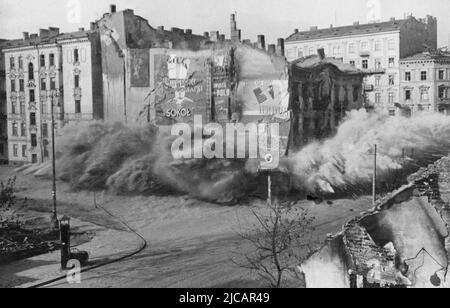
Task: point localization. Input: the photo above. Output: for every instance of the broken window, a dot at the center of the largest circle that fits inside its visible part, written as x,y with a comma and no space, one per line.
42,60
76,55
32,96
77,81
32,118
30,71
33,140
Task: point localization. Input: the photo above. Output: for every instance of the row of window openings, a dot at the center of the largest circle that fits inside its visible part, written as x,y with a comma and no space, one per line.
24,152
43,84
424,75
352,48
391,79
44,108
378,63
23,129
424,94
391,98
42,60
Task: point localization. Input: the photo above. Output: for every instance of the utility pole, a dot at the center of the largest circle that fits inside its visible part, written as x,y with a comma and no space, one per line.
374,182
269,188
55,214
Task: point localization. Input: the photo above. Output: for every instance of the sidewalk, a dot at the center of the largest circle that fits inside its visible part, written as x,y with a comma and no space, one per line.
106,245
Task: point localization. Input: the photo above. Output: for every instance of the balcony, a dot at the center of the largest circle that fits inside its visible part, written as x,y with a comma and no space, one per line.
364,53
369,88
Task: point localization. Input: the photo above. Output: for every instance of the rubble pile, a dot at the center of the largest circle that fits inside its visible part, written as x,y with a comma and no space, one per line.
17,243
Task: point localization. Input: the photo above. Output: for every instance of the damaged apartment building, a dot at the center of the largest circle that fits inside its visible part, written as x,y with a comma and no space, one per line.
404,242
122,69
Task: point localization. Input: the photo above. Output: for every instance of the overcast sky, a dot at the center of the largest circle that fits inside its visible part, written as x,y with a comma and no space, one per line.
274,18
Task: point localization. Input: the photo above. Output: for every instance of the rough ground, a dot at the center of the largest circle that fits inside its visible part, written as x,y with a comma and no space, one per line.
190,243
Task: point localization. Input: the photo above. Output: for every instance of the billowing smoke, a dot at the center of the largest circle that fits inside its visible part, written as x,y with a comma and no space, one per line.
347,160
138,160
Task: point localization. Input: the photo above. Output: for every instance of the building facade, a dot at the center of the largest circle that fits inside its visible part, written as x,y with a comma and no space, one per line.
41,69
425,83
376,48
3,112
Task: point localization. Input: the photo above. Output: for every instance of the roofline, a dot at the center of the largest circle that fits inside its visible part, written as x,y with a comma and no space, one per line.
287,42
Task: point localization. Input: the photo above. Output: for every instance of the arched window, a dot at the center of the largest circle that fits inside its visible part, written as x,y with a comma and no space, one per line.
30,71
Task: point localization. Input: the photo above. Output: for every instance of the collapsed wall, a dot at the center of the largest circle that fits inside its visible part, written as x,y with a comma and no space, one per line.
402,242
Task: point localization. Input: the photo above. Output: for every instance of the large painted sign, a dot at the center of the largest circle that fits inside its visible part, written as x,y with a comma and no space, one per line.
182,88
267,98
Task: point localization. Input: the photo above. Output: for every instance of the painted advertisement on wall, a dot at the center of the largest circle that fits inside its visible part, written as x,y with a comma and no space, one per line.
182,88
221,85
264,98
139,68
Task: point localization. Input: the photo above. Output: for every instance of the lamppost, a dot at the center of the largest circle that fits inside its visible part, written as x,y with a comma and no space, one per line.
54,95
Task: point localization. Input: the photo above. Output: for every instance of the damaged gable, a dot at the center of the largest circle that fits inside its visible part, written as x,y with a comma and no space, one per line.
403,242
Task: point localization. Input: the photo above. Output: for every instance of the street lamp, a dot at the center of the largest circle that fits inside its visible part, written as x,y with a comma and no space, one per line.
54,95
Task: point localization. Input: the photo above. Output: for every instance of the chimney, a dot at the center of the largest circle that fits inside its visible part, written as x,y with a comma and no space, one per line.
161,28
233,23
356,23
206,34
26,36
295,30
112,8
280,47
188,32
93,26
321,53
44,33
33,36
271,48
222,37
392,19
331,26
80,29
261,42
314,28
54,30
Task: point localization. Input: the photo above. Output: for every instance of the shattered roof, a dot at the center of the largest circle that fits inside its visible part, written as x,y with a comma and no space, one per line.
315,62
362,29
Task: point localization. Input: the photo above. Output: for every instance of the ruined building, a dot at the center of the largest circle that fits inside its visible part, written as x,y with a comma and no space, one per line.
404,242
322,91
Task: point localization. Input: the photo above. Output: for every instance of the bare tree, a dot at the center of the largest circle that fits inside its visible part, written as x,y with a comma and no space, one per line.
281,239
7,199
